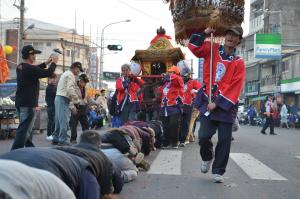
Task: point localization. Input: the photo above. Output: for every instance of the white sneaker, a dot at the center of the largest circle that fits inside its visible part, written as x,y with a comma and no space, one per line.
205,165
139,158
217,178
49,138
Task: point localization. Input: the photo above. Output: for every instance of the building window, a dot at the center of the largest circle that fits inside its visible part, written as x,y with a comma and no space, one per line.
285,65
48,44
68,53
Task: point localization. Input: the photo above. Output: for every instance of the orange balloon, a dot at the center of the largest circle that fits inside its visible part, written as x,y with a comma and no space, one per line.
14,48
8,49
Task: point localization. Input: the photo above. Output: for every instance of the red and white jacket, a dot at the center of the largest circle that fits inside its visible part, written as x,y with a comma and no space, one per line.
188,90
131,87
228,78
171,95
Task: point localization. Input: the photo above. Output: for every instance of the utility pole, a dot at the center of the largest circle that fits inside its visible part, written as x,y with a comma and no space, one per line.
97,68
21,34
63,47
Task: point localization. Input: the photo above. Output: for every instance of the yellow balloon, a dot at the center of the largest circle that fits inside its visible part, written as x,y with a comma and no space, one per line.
8,49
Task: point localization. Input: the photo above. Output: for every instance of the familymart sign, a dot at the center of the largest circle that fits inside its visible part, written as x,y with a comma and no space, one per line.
267,46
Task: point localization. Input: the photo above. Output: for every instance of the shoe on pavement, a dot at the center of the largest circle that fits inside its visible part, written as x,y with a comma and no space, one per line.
166,147
49,138
273,133
73,142
217,178
192,138
144,165
262,132
139,158
64,143
186,142
205,165
182,144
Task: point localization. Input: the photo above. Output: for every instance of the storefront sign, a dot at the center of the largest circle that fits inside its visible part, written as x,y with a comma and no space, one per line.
267,46
290,85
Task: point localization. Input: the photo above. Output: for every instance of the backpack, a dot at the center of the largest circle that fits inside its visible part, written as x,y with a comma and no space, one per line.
113,106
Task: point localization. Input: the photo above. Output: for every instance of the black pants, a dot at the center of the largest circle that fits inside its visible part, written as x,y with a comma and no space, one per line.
269,123
81,116
171,125
185,123
207,130
51,120
252,123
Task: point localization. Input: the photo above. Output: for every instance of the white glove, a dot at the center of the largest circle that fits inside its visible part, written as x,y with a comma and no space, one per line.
194,91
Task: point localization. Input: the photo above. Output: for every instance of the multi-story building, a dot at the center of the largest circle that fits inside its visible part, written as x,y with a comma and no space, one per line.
46,37
272,76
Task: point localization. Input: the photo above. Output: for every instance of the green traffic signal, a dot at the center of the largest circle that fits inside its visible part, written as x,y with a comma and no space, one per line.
115,47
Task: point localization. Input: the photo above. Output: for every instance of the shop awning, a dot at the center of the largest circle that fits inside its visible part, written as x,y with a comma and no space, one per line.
258,98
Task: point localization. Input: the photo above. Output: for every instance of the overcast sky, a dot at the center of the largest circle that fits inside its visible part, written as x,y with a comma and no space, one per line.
146,16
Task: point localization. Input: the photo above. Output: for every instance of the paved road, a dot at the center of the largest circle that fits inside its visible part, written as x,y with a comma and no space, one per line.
260,167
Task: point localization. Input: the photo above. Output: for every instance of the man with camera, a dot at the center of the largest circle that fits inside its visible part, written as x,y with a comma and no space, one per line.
66,92
27,95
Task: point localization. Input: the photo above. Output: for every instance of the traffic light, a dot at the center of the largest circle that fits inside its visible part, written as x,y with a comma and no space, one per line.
115,47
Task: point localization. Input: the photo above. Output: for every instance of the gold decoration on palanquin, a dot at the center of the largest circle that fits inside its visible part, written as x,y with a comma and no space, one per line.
190,16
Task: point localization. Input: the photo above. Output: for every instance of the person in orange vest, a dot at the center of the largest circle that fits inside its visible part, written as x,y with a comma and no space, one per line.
171,106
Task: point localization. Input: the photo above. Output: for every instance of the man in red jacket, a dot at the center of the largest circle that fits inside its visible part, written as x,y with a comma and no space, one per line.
170,107
128,87
227,82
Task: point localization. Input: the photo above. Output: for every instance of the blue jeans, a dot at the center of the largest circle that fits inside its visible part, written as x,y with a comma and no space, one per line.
62,118
24,131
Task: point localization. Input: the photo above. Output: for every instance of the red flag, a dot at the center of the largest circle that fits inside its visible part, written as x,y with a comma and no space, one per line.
4,70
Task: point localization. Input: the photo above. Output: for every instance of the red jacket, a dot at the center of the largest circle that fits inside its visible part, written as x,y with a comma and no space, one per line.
132,88
188,88
171,90
228,77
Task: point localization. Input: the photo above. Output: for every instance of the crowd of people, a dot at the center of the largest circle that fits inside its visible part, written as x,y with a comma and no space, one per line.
273,112
102,161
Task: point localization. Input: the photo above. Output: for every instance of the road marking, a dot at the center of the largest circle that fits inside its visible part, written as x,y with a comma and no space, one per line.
254,168
167,162
298,157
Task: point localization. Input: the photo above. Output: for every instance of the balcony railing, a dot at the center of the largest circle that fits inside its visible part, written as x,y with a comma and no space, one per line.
268,81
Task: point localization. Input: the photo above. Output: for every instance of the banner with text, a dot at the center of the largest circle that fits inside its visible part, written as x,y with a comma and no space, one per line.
267,46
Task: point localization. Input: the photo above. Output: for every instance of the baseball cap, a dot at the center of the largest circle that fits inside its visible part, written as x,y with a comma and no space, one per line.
78,65
174,69
84,78
236,29
29,50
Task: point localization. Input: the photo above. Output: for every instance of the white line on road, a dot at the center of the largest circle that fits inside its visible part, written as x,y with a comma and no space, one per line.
254,168
167,162
298,157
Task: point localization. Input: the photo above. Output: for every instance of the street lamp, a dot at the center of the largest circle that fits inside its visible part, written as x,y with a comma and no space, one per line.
21,35
100,77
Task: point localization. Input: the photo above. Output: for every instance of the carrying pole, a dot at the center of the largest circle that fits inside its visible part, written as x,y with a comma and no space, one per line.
211,65
210,71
